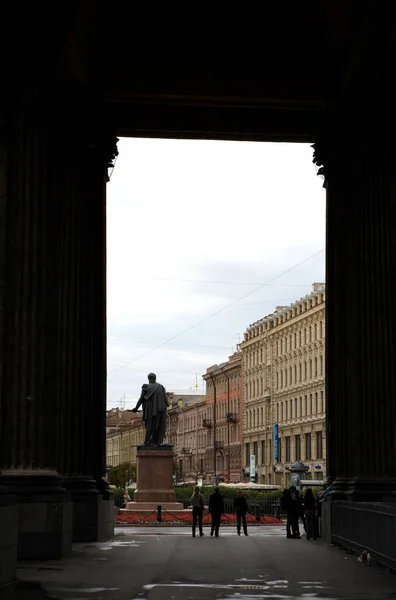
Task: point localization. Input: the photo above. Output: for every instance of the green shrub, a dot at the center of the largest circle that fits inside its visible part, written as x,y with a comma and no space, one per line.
117,492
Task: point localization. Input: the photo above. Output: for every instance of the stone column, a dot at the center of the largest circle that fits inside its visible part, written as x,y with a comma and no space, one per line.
360,313
8,510
29,408
82,326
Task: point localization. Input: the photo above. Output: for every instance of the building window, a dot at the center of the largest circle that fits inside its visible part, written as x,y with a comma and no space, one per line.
315,409
247,455
297,447
320,329
319,444
321,364
316,367
300,368
323,402
279,450
255,451
305,370
287,448
310,368
307,446
295,373
263,452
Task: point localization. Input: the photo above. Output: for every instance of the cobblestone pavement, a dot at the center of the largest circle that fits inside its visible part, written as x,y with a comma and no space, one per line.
168,564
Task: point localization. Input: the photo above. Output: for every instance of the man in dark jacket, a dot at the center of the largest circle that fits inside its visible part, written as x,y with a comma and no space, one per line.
216,509
241,508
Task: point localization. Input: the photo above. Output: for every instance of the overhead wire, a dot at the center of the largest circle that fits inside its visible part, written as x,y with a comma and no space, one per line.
220,310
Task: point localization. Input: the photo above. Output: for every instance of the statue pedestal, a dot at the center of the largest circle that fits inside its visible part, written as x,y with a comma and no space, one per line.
154,480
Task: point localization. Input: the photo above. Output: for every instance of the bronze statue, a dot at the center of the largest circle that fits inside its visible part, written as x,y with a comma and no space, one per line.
155,403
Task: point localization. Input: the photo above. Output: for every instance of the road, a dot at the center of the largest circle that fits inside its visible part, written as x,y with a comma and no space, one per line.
168,564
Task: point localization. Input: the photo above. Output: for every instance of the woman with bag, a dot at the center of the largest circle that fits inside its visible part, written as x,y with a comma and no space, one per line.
197,503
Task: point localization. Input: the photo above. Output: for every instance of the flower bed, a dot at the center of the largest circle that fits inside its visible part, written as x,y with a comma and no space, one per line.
186,519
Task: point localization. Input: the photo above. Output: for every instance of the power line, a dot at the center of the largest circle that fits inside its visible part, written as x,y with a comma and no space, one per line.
273,301
179,280
218,311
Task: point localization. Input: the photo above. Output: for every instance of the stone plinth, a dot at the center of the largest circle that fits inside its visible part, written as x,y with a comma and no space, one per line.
155,475
154,480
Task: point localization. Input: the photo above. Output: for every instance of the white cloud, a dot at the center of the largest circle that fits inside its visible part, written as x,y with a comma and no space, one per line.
186,218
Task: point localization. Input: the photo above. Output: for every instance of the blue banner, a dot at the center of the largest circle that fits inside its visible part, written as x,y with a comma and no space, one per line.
276,442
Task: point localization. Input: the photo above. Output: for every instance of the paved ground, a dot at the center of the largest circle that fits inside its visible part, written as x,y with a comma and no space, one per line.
168,564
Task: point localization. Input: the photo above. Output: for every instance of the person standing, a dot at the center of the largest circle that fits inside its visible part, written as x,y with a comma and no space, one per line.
310,507
197,503
216,509
294,512
241,508
285,503
127,497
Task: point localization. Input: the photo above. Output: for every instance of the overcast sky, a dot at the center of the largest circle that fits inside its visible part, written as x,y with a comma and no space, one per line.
197,233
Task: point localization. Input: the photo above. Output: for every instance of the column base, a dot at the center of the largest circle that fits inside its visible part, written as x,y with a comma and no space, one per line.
8,543
44,513
369,490
340,488
93,517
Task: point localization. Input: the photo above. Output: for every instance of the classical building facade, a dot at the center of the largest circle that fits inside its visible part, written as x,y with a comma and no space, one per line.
190,439
222,420
284,403
124,432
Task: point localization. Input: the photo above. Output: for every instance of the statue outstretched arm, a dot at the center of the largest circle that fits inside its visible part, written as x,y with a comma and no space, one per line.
139,402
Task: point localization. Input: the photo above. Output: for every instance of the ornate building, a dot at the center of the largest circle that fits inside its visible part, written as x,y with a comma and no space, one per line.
222,419
191,436
284,390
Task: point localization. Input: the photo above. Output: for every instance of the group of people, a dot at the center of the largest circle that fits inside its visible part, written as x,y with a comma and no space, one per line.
306,508
296,508
216,509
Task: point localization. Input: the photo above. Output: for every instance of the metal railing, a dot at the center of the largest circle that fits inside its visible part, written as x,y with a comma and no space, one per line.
119,502
366,526
269,507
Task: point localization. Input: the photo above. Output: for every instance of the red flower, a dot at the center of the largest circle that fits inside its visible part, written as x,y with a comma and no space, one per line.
186,519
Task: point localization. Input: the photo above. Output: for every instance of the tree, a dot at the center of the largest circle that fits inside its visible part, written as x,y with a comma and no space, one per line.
122,475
